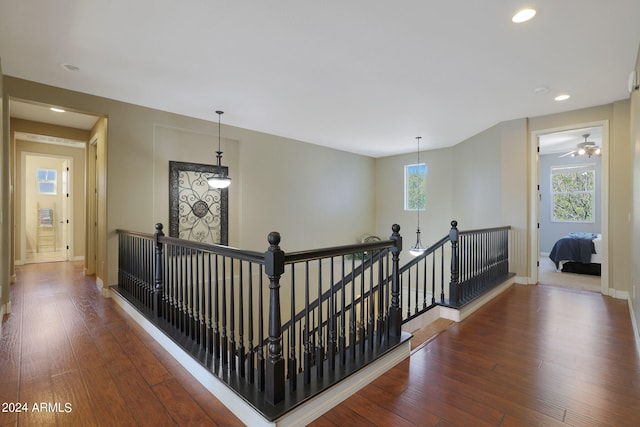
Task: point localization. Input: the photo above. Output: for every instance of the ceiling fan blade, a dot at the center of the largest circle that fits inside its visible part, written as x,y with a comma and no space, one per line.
567,154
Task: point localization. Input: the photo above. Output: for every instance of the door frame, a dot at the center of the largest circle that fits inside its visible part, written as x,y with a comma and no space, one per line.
535,199
68,235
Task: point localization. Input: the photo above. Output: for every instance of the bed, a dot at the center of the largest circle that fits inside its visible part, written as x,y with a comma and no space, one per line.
578,253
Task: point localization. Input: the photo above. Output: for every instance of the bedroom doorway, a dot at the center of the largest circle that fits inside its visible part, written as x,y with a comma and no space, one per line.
571,201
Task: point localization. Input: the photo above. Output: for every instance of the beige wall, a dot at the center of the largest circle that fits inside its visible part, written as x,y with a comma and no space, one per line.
318,196
435,220
275,180
635,234
481,182
619,190
314,196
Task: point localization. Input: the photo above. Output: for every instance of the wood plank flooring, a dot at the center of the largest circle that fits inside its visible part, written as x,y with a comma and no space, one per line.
81,361
536,355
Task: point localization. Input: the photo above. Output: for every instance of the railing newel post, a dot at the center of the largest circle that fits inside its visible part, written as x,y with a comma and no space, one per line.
395,313
159,277
274,259
454,285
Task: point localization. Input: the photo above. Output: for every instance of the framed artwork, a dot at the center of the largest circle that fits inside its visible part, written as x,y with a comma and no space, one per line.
197,212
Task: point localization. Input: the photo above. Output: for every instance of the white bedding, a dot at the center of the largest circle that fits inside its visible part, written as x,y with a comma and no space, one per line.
597,257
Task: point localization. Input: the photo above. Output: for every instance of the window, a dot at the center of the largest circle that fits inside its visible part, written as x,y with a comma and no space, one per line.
573,193
47,181
415,184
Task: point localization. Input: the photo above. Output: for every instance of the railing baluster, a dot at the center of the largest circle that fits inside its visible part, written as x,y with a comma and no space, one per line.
332,344
292,365
319,356
232,319
251,354
261,361
342,349
241,350
307,328
224,343
208,301
209,298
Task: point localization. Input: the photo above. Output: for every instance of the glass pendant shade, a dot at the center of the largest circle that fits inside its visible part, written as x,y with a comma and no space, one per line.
220,178
219,181
417,249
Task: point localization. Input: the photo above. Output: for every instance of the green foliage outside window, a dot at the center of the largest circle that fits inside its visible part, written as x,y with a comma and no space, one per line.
415,186
573,191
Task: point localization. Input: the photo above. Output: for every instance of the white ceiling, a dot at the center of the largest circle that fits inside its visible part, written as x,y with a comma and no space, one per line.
365,76
567,141
44,114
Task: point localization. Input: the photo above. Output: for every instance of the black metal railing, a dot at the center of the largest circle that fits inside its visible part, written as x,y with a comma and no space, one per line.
456,269
479,261
233,309
274,323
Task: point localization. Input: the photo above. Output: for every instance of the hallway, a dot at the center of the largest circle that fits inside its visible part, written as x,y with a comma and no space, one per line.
66,346
536,355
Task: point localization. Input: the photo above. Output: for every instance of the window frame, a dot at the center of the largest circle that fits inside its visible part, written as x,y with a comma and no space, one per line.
589,167
46,180
406,188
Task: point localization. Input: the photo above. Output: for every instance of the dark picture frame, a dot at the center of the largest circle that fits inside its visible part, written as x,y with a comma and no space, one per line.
197,212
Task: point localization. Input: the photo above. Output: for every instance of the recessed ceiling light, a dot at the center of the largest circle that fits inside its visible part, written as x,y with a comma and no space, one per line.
57,110
69,67
523,15
562,97
541,90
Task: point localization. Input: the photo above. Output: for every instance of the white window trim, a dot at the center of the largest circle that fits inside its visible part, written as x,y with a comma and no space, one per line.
585,166
55,182
406,199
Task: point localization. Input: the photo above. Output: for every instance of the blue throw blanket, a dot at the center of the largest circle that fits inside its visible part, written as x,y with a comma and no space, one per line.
576,247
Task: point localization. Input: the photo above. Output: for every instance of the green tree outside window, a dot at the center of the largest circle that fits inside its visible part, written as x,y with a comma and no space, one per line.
573,193
415,184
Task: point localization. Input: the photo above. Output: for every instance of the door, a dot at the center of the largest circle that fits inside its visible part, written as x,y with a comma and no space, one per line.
65,214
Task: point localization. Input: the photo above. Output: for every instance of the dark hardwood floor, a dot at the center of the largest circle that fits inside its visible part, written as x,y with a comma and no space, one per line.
536,355
66,345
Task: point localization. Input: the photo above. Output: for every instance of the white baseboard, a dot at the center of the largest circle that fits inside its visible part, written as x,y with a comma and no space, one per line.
303,414
314,408
524,280
634,323
4,309
103,289
619,294
458,315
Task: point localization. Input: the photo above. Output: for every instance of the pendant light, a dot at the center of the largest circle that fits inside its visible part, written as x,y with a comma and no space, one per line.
220,178
418,249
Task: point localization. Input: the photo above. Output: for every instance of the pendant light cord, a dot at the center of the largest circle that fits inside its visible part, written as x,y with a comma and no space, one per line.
418,138
219,152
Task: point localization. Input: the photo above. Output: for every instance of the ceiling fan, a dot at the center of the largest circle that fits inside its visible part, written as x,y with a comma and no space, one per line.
585,148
